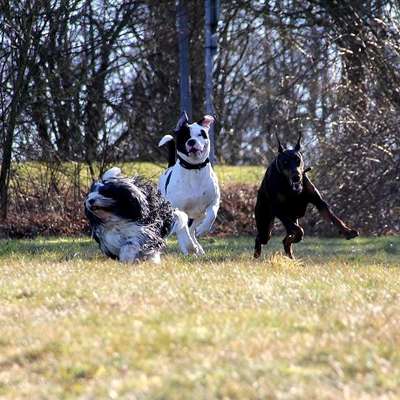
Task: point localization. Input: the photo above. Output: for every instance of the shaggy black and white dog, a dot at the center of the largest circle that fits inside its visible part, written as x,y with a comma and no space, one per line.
130,220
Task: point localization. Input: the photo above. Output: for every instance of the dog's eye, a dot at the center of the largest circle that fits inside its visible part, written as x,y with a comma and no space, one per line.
203,134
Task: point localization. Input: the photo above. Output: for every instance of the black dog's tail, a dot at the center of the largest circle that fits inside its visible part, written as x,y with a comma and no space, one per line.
171,149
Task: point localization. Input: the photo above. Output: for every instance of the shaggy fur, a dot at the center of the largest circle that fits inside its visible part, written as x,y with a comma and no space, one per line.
130,219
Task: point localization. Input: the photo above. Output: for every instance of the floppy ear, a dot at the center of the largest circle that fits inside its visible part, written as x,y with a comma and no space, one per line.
165,139
207,121
183,119
280,148
297,148
112,173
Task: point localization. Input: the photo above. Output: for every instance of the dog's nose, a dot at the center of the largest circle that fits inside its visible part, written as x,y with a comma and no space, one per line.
191,142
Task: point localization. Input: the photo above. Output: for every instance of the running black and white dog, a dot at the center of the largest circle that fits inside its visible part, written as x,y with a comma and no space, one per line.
190,183
130,220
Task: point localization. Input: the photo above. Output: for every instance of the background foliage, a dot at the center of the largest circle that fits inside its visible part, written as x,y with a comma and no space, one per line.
96,82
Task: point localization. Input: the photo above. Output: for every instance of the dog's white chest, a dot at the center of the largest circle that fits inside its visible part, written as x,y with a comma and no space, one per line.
191,191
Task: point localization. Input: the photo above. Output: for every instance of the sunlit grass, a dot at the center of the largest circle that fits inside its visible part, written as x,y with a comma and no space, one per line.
227,174
326,326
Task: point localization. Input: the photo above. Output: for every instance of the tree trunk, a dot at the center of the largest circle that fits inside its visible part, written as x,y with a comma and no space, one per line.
15,106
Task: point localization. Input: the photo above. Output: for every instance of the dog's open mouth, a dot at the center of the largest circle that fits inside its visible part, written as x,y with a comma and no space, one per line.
194,150
296,184
297,187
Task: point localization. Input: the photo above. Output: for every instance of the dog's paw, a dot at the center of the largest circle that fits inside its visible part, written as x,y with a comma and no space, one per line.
185,252
351,234
199,251
195,249
155,259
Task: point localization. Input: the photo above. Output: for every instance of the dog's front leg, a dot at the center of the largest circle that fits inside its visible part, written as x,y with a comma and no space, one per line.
315,198
192,231
181,230
294,234
206,224
330,216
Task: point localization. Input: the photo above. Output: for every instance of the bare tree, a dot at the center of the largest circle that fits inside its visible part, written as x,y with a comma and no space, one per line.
20,21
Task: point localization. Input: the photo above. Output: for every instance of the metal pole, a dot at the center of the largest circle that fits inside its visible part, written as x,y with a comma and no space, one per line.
211,22
184,67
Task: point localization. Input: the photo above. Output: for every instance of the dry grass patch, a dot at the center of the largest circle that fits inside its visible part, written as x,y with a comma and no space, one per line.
224,326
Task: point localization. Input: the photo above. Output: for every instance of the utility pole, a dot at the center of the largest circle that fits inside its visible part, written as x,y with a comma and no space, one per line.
212,8
184,67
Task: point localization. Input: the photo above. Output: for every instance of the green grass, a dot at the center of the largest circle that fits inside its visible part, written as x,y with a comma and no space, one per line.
326,326
227,174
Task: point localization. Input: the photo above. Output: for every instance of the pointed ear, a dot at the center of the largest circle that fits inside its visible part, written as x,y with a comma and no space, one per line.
280,148
183,119
297,147
207,121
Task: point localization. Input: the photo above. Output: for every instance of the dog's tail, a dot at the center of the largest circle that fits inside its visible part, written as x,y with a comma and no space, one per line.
169,139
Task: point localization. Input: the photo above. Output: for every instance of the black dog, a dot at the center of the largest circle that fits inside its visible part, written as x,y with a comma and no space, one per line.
285,193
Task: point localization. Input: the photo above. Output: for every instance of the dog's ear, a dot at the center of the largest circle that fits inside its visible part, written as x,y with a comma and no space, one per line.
297,148
165,139
280,148
112,173
183,119
207,121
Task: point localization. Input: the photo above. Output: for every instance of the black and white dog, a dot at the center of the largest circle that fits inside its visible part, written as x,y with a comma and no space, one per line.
190,183
130,220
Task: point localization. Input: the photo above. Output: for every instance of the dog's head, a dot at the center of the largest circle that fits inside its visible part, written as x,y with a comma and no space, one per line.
192,139
114,199
289,162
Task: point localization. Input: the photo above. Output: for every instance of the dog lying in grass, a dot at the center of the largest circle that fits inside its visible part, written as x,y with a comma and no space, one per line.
130,220
285,193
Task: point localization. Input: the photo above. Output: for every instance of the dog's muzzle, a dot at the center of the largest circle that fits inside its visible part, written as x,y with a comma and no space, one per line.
296,183
194,147
94,204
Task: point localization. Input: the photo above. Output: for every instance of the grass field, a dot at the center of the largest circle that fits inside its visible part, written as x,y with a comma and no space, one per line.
227,174
327,326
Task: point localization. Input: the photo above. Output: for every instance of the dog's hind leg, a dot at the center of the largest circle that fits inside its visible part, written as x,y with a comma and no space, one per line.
264,223
263,236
